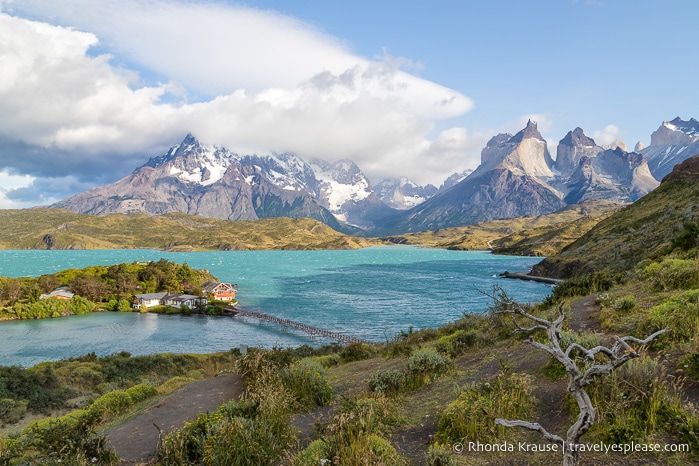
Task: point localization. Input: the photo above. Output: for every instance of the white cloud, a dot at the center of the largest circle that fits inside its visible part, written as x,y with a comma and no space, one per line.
8,183
607,136
277,84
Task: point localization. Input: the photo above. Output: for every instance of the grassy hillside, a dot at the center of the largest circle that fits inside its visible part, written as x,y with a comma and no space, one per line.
663,222
529,236
61,229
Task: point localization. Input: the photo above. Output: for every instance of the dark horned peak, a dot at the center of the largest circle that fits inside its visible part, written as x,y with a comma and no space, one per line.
530,131
577,138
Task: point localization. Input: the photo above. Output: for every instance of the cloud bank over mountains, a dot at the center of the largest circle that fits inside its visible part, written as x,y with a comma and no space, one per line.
88,90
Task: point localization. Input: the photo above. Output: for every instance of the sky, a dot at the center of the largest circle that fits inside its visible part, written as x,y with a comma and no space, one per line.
91,89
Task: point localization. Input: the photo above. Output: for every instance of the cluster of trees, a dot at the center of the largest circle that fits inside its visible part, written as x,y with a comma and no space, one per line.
109,287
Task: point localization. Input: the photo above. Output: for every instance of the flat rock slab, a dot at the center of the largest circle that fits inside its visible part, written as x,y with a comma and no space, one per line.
136,440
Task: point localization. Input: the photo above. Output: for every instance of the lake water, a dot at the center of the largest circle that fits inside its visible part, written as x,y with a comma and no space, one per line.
371,293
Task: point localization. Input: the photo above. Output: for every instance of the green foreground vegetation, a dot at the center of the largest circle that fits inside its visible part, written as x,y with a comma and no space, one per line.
409,401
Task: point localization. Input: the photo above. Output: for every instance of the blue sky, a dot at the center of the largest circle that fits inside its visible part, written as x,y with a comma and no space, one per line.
89,90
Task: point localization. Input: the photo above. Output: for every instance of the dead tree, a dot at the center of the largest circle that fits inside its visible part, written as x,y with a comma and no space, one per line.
602,360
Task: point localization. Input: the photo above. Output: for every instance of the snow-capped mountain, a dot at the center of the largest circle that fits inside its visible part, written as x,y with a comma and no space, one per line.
517,176
403,194
212,181
673,142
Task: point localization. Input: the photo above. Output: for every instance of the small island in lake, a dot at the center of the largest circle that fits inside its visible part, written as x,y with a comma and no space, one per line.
161,287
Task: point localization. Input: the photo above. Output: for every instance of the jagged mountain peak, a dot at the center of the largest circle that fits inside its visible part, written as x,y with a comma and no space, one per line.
690,127
577,138
677,131
530,131
673,142
525,153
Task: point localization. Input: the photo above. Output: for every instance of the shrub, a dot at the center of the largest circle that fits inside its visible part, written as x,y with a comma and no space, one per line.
247,442
472,415
306,380
425,365
357,352
691,362
582,285
439,455
456,343
111,404
69,439
635,402
141,392
389,382
355,435
680,314
625,304
328,360
672,274
12,411
253,432
313,454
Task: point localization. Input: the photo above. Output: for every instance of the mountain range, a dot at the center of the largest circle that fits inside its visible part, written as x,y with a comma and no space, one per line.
517,176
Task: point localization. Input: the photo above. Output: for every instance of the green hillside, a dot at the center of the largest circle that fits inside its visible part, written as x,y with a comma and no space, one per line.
665,221
44,228
528,236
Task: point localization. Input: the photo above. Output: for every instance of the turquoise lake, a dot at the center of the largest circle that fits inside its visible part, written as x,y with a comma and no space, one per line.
371,293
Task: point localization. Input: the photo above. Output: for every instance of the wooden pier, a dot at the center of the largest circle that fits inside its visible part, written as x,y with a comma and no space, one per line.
310,330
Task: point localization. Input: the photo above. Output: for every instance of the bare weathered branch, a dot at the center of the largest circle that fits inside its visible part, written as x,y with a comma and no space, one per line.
532,426
619,354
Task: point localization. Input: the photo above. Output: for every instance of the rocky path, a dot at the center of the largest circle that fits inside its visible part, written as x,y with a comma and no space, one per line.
136,440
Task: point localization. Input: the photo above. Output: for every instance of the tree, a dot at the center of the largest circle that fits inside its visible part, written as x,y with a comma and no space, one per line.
600,360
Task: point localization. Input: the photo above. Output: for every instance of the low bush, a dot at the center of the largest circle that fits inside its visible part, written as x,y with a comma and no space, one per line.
680,314
141,392
389,382
252,432
357,352
426,365
440,455
636,403
111,404
455,344
328,360
70,439
355,436
12,411
472,415
307,382
691,364
624,304
672,274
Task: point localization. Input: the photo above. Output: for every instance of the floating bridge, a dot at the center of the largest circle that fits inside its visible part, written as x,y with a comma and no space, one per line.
308,329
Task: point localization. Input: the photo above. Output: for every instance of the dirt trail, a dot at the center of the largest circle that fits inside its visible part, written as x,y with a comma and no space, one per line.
136,440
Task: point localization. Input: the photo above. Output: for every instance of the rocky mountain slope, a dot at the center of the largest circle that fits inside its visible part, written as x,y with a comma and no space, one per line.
211,181
517,177
673,142
651,227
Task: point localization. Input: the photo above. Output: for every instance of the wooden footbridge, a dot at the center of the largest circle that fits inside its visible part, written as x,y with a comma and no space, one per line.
310,330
